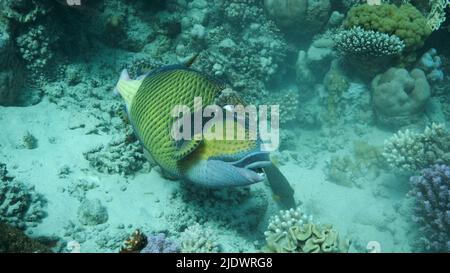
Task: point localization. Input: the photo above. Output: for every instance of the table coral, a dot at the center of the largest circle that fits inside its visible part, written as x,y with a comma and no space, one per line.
365,43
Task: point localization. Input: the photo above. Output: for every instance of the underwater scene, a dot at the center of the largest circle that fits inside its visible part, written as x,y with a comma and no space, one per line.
232,126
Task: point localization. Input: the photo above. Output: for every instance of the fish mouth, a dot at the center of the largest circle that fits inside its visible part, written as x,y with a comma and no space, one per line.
251,166
216,173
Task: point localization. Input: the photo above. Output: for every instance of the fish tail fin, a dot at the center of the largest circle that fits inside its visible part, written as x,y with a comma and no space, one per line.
280,186
127,87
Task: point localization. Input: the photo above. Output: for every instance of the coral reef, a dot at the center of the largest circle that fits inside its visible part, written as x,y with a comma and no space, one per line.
13,240
410,151
404,21
20,205
336,84
431,191
135,243
431,64
198,239
367,43
118,156
159,243
34,47
302,16
294,231
399,96
11,72
365,166
241,45
24,11
92,212
313,63
436,16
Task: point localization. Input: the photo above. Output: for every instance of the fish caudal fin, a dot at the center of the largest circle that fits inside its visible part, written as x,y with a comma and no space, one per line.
127,87
280,186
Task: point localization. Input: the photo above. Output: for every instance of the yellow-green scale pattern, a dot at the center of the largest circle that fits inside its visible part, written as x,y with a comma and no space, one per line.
152,105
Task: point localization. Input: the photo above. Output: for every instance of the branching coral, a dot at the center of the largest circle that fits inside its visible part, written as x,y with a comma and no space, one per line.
431,191
198,239
409,151
20,205
293,231
436,16
404,21
360,42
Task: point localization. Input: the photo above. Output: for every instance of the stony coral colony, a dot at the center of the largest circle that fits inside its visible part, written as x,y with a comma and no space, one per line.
327,64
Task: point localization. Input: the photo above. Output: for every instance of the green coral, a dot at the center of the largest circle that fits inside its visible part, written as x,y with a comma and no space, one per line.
404,21
336,83
293,231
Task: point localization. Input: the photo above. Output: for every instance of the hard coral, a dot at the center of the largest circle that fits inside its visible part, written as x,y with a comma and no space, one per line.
293,231
410,151
431,191
404,21
399,96
20,205
160,244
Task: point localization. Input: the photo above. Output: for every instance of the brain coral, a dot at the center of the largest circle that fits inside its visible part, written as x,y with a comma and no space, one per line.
404,21
399,96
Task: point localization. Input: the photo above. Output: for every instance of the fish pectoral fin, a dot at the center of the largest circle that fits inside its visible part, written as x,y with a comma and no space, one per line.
149,157
185,148
280,186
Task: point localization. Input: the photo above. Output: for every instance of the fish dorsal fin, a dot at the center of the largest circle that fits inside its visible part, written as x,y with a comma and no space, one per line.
127,87
191,60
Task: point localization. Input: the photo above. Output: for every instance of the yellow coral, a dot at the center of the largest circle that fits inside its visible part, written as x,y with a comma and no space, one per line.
404,21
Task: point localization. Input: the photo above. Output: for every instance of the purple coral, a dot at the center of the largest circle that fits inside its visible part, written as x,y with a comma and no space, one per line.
160,244
432,207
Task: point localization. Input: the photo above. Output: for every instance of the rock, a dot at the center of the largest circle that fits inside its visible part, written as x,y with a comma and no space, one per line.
92,212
